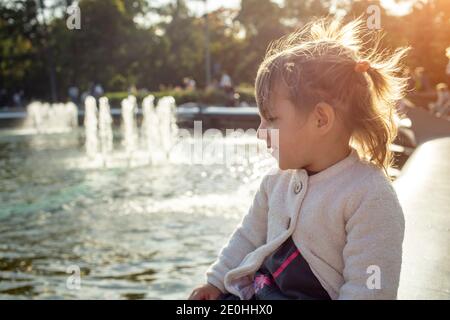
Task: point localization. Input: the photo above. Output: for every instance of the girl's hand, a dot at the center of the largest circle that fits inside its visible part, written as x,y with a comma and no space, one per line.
205,292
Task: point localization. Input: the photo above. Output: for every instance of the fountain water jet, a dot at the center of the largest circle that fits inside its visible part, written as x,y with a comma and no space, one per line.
149,129
105,127
50,118
167,125
129,126
90,125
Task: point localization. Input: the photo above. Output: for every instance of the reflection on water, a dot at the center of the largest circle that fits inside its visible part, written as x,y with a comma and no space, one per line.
146,232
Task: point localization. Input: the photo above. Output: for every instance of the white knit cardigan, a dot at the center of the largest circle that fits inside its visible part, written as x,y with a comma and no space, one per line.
345,220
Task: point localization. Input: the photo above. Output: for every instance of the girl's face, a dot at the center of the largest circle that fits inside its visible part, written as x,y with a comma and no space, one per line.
289,133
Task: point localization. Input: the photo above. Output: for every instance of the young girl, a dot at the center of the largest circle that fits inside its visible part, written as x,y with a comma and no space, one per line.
327,224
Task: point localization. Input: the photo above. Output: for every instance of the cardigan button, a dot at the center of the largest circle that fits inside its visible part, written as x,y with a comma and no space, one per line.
298,187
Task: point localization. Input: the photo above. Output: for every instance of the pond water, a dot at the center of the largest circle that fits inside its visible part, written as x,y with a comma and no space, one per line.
142,232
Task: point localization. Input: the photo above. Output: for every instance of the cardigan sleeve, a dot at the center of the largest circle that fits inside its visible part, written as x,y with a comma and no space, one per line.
250,234
373,250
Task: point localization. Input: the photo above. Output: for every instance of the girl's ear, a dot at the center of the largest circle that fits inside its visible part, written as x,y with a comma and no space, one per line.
324,116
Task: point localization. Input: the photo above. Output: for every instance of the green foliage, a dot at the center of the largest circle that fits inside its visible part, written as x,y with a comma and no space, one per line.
113,49
207,97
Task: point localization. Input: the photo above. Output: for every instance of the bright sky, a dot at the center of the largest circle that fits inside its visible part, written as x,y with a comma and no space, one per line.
400,8
397,8
393,6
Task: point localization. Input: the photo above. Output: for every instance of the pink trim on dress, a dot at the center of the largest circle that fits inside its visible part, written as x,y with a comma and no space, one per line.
285,263
263,280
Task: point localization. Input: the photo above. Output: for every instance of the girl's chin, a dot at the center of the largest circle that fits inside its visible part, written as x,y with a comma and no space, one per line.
283,166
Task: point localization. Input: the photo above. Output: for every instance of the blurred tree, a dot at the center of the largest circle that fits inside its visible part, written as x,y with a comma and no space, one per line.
297,13
115,49
226,44
21,42
15,44
183,34
426,29
261,21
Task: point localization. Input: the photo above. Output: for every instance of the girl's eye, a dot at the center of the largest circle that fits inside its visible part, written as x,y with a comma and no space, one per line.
271,119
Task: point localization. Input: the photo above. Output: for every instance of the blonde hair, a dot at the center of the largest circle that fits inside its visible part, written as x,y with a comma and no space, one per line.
321,63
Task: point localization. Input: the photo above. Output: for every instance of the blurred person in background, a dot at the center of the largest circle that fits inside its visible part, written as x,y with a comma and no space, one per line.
17,98
441,107
189,83
227,86
422,82
97,91
73,94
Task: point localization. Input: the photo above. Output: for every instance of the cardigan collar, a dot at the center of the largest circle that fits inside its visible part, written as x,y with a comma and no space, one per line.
332,170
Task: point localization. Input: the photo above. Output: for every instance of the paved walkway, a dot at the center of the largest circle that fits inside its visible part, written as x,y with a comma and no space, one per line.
424,192
426,126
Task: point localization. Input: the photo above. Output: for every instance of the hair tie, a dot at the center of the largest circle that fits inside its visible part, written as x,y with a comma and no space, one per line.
362,66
